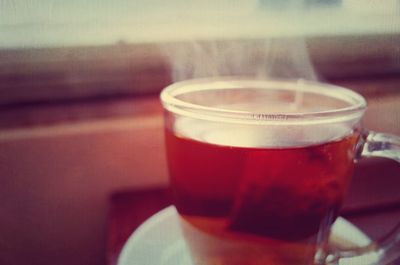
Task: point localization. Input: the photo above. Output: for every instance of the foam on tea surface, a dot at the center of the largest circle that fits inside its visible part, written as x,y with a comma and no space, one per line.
259,136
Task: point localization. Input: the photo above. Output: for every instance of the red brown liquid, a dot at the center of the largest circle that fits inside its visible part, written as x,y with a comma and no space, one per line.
259,194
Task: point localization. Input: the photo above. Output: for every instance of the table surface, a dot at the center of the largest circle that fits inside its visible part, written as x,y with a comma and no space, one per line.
372,204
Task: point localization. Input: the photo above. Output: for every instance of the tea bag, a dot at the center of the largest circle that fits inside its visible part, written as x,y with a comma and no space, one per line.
285,193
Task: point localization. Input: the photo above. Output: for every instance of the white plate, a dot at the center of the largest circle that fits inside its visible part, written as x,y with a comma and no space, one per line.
159,241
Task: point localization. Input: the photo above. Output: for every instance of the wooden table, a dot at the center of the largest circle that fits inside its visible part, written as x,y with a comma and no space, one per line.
373,204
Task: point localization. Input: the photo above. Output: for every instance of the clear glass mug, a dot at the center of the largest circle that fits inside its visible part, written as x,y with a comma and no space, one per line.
259,168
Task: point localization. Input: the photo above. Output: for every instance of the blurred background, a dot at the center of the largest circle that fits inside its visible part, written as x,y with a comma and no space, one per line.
80,117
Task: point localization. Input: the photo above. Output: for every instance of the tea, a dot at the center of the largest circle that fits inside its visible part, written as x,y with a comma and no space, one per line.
254,203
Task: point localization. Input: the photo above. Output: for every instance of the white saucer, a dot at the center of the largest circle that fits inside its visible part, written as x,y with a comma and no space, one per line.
159,241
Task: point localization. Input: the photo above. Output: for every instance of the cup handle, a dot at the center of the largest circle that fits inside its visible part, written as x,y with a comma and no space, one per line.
386,249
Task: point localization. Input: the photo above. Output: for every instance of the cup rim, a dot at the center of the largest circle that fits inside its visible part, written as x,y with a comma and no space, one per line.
170,102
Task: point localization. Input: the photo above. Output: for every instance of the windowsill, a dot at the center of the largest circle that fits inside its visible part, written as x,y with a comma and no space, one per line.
70,74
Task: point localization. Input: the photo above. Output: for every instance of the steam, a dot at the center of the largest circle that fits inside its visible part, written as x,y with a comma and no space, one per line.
248,45
268,58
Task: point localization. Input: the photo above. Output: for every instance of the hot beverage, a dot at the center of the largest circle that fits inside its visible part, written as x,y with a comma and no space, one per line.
257,195
259,168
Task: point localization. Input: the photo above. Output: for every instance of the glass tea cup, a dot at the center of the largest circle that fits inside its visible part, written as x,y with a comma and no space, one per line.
259,168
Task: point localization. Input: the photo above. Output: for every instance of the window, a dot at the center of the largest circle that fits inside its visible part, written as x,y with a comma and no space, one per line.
65,52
